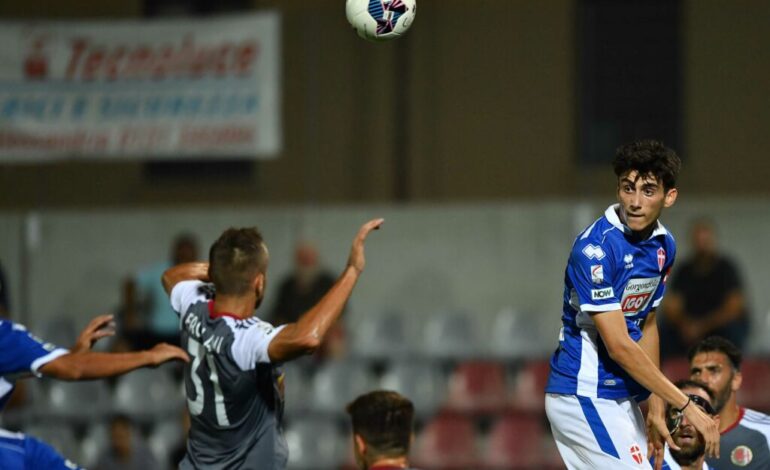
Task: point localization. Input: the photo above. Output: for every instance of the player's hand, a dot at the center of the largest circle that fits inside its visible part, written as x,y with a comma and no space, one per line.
163,352
356,260
657,436
98,328
707,426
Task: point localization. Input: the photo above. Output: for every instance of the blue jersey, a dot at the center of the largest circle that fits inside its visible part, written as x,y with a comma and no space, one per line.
607,270
20,452
22,354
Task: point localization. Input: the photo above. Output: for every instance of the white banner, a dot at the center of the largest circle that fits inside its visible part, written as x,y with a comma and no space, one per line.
160,89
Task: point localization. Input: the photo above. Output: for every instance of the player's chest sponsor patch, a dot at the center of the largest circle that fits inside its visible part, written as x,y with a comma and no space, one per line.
741,456
637,294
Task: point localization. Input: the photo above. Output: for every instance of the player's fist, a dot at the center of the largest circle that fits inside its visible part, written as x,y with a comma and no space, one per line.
98,328
163,352
356,260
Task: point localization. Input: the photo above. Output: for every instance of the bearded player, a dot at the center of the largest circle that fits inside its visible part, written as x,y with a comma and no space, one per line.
608,355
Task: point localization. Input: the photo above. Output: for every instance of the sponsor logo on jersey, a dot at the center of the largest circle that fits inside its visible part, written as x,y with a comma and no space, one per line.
637,294
597,274
629,260
636,453
661,258
741,456
593,252
601,294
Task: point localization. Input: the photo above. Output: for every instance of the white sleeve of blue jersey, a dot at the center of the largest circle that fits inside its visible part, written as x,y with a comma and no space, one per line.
591,269
24,352
250,345
184,294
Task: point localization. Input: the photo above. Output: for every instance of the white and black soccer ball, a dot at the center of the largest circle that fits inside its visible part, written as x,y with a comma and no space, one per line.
381,20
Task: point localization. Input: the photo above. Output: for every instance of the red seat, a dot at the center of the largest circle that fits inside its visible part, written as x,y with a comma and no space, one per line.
448,442
516,442
755,389
477,387
676,369
529,390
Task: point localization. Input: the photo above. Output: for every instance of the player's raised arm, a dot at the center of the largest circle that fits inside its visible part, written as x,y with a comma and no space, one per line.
184,272
306,335
633,359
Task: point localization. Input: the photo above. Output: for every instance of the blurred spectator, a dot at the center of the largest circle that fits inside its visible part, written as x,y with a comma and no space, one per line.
5,301
301,290
131,334
127,450
383,423
161,323
705,297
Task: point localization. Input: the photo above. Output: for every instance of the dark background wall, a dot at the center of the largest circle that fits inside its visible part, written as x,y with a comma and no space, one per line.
476,103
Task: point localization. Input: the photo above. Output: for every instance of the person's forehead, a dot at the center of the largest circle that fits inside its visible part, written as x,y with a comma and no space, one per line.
639,178
710,358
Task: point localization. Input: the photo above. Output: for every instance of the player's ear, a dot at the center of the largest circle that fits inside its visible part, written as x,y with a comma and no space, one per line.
670,199
737,381
360,444
259,282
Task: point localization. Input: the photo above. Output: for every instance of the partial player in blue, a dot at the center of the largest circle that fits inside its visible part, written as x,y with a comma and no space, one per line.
608,355
24,355
692,448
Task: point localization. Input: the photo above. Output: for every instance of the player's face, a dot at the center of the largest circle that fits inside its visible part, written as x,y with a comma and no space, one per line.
714,370
642,199
689,440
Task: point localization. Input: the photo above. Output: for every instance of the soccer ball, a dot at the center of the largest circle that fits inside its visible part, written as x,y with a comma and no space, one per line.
381,20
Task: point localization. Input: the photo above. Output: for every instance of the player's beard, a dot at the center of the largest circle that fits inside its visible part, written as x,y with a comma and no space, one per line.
722,395
690,453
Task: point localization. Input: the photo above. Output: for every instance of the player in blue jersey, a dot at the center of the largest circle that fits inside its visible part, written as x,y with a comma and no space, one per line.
608,355
24,355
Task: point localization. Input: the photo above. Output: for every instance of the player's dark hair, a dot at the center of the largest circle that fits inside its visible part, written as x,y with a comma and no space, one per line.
384,420
718,344
238,255
648,157
687,383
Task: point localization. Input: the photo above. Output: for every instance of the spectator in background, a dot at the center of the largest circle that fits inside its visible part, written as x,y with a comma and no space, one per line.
127,451
705,297
301,290
383,424
5,302
161,324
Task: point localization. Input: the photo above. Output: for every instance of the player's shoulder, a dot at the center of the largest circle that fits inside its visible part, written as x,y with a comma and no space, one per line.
756,420
595,242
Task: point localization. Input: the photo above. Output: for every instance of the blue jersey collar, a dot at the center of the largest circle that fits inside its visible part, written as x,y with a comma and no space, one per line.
612,216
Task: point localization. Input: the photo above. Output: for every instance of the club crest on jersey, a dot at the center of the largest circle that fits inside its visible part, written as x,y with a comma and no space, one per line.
741,456
597,274
629,260
661,258
593,252
636,454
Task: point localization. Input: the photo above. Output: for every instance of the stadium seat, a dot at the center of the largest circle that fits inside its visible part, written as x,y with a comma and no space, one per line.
755,389
93,444
59,330
146,394
78,401
59,435
514,335
336,384
478,387
166,436
528,391
450,335
297,391
515,442
676,368
421,382
447,442
381,337
314,444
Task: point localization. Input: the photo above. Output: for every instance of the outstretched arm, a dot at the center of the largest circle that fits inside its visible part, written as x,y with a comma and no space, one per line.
306,335
184,272
633,359
97,365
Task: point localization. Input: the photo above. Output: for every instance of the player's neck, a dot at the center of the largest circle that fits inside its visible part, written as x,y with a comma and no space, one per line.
240,306
729,415
389,463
